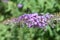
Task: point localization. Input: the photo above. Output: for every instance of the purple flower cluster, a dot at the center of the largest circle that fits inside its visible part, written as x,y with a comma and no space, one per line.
32,20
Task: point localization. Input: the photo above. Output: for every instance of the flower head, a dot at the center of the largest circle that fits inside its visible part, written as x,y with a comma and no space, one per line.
32,20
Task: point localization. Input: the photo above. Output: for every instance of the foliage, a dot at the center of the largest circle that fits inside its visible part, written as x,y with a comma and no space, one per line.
16,32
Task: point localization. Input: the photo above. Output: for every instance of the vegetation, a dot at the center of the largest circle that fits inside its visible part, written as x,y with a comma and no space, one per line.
10,9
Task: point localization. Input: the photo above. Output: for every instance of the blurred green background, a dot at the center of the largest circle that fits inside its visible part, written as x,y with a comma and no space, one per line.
10,9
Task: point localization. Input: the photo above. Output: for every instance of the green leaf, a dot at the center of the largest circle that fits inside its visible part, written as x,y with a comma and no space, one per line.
1,18
48,28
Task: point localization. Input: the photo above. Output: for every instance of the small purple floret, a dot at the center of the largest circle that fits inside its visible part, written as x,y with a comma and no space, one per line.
19,5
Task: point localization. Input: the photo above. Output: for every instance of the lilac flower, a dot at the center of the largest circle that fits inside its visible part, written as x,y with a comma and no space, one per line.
42,20
23,17
48,16
19,5
34,20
